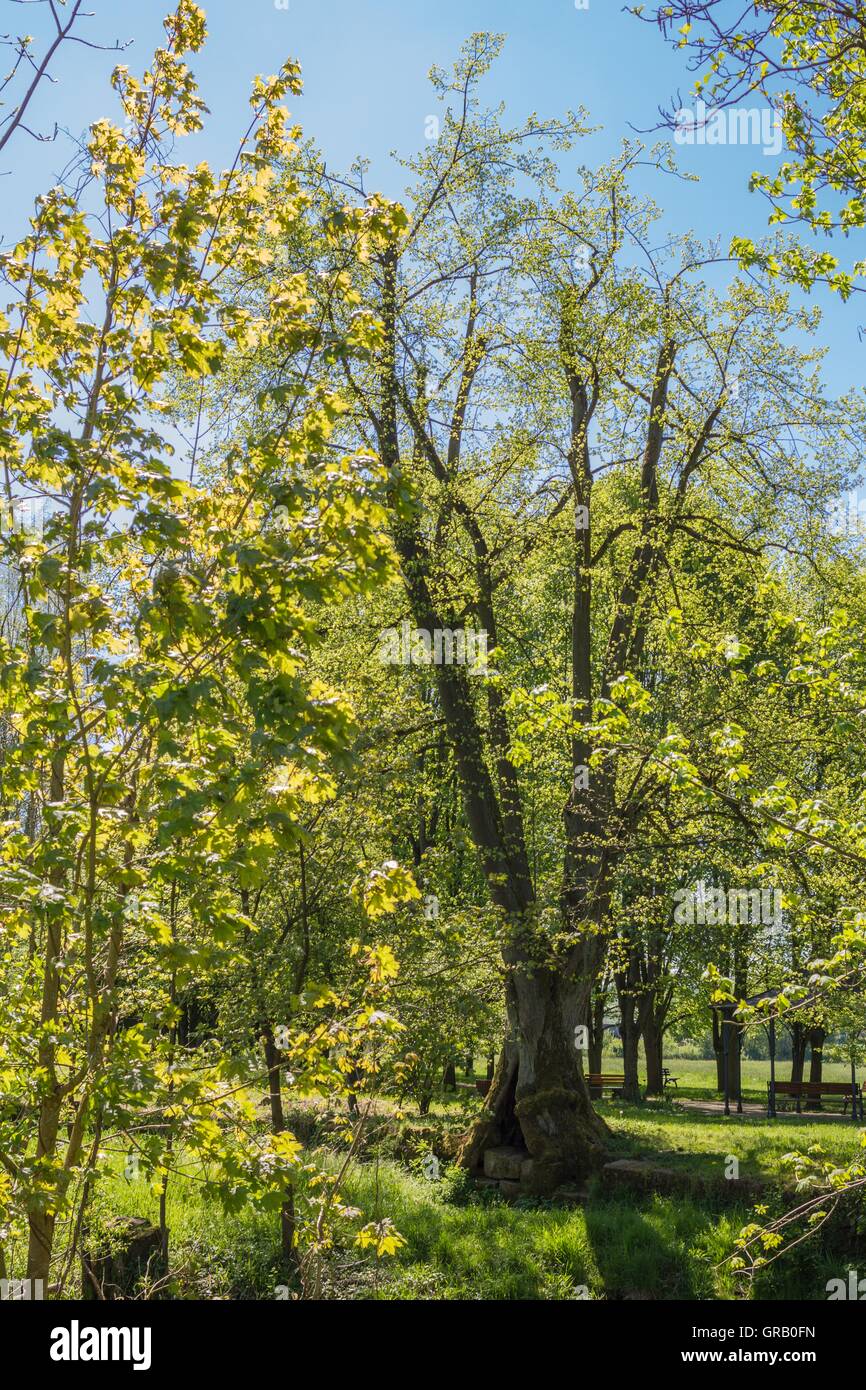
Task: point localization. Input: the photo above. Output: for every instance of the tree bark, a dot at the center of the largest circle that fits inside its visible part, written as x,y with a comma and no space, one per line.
628,993
718,1049
595,1051
653,1041
798,1051
630,1061
538,1099
816,1062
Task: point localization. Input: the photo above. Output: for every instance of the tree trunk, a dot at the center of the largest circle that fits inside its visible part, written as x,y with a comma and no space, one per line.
735,1070
41,1223
595,1051
630,1060
816,1062
275,1095
653,1041
798,1051
628,997
718,1049
449,1077
538,1100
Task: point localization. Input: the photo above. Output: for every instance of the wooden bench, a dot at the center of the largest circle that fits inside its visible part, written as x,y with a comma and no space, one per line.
668,1080
605,1081
815,1090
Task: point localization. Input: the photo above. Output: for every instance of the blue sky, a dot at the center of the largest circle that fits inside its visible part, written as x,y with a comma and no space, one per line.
366,92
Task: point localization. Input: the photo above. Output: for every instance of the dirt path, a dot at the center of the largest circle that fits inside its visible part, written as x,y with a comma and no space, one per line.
753,1109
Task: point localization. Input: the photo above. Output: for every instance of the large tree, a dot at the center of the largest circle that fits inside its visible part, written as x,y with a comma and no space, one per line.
551,395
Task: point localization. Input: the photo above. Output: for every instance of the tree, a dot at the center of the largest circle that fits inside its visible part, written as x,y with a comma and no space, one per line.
30,70
162,731
546,409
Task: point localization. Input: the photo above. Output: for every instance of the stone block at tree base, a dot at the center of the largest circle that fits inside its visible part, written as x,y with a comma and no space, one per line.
504,1163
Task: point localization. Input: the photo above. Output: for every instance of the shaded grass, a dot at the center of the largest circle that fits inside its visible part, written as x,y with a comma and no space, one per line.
618,1246
613,1248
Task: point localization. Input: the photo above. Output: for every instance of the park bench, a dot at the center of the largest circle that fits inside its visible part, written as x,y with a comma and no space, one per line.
605,1081
668,1080
815,1090
482,1085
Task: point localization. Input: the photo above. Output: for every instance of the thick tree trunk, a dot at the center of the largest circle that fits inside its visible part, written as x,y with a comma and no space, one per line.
630,1061
627,983
539,1100
653,1041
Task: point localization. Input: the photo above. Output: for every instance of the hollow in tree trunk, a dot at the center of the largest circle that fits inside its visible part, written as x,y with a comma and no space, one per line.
538,1100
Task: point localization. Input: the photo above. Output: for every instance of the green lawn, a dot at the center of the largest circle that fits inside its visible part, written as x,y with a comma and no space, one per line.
697,1078
666,1133
613,1248
462,1244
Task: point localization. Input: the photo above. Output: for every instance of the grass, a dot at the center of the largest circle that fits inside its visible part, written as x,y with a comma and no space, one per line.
463,1245
697,1078
677,1138
612,1248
